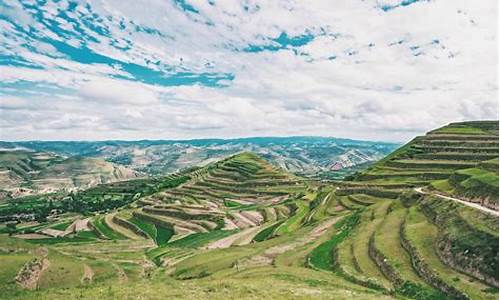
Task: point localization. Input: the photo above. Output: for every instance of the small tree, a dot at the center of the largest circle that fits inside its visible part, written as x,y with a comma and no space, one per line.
11,228
41,214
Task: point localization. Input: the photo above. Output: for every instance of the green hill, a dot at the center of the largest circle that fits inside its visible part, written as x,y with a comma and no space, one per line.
243,228
460,159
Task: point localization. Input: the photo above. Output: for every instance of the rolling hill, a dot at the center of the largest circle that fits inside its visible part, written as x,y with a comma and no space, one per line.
318,157
25,172
241,227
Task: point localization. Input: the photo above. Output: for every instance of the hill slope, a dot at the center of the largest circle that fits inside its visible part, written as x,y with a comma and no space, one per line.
25,172
460,159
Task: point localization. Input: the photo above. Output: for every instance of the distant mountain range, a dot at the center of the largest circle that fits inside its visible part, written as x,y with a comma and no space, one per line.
319,157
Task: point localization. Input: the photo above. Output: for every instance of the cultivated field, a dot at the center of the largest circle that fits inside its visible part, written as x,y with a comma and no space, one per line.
243,228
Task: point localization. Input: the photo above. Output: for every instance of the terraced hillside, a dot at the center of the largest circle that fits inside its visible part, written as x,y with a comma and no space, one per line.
242,228
460,159
416,238
242,193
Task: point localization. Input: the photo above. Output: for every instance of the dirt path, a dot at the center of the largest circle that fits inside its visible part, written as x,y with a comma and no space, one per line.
268,256
241,238
467,203
229,225
88,274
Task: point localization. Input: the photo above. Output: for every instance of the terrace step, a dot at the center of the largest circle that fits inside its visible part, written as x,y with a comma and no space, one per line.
403,173
387,252
477,149
363,199
461,137
162,220
110,220
368,184
426,164
474,143
348,204
353,253
377,192
416,236
244,220
458,156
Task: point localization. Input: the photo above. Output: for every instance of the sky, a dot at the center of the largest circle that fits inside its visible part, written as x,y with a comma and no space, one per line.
179,69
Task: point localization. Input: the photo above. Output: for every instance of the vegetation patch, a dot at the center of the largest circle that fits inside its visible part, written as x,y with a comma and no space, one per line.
322,256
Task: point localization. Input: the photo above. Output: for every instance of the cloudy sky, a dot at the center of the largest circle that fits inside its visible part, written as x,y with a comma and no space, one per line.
171,69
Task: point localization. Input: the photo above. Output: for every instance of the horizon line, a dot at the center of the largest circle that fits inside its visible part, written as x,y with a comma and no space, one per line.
200,139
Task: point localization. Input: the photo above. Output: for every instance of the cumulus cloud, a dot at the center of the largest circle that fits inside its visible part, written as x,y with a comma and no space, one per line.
117,92
108,69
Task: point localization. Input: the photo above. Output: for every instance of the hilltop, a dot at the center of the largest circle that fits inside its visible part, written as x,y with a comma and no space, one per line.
460,159
244,227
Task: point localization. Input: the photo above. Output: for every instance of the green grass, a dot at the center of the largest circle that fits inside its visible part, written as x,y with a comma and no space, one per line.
196,240
294,222
460,130
360,240
481,175
387,241
191,241
105,230
481,221
58,240
11,264
442,186
267,232
87,235
232,204
322,257
64,271
423,235
163,234
148,228
347,203
62,226
103,271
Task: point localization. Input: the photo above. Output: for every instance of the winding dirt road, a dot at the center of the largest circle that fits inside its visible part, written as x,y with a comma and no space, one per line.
470,204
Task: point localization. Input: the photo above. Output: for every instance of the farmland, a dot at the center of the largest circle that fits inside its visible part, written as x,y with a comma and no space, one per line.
244,227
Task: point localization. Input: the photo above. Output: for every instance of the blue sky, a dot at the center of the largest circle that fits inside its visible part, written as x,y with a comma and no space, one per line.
373,69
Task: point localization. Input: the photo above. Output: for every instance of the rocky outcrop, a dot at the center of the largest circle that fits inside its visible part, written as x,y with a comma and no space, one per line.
30,273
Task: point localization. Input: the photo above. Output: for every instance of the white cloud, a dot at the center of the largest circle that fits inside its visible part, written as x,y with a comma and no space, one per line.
394,73
117,92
